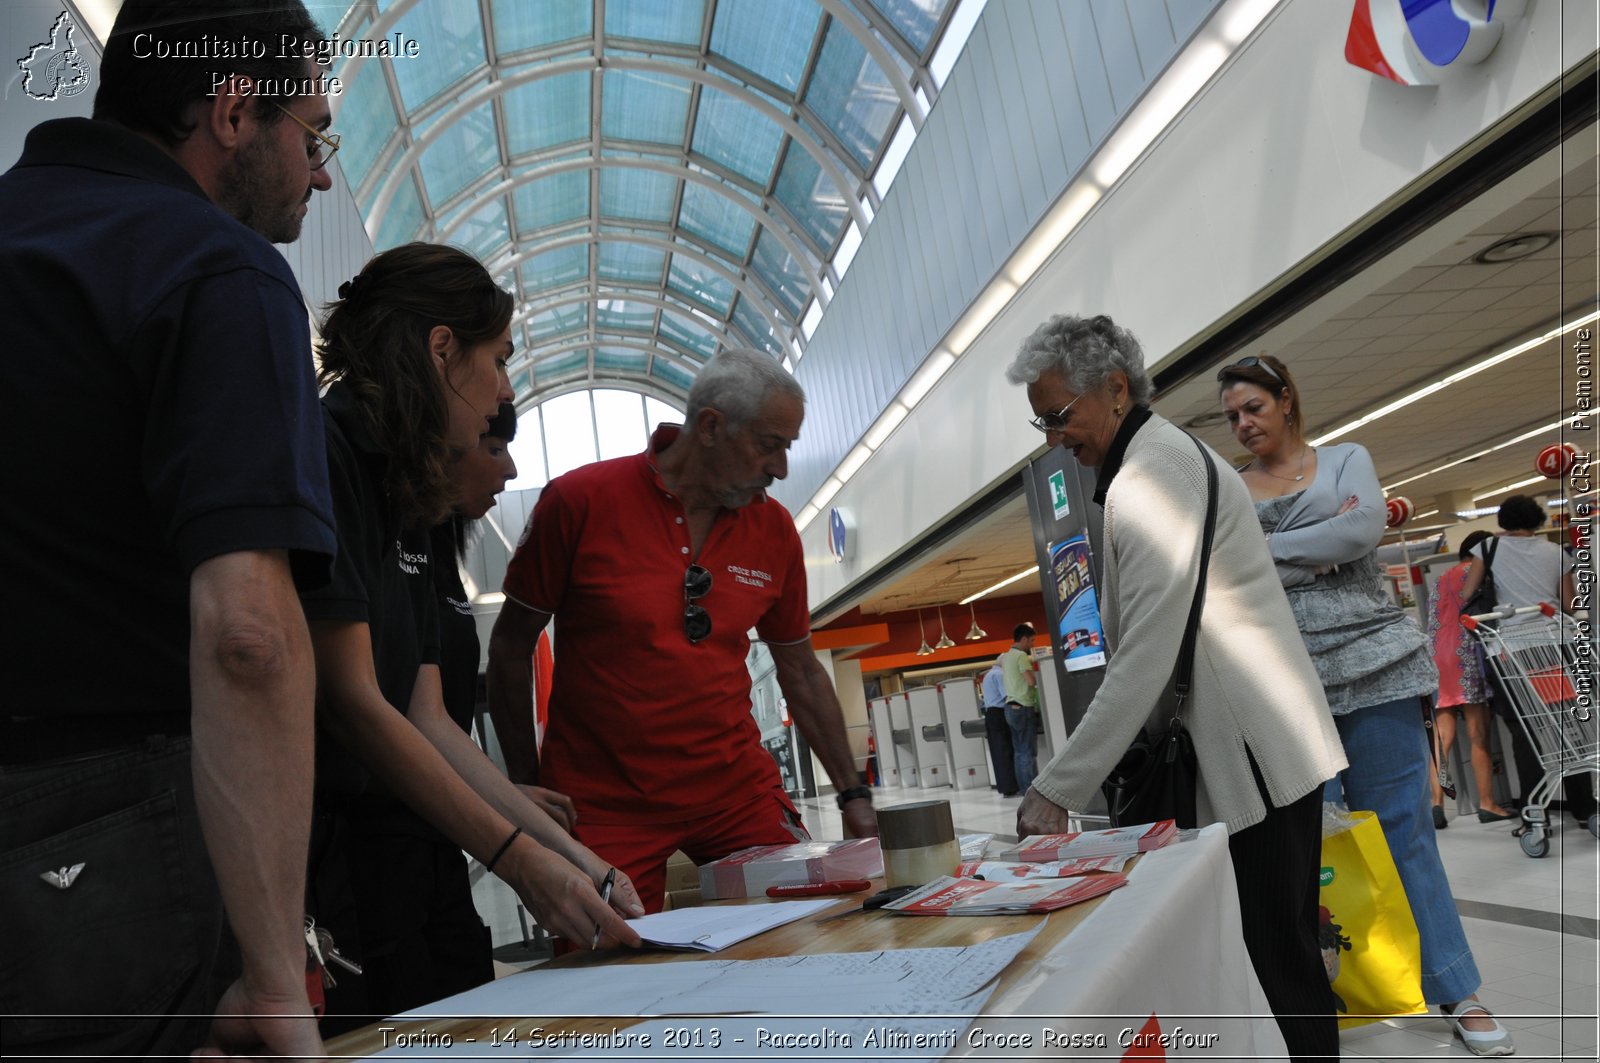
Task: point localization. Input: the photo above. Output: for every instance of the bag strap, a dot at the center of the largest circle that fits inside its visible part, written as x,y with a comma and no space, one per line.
1184,671
1488,556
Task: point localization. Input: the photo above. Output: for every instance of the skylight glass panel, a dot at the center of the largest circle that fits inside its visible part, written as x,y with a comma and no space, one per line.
851,93
733,134
657,412
519,24
716,218
682,329
697,281
485,233
810,196
638,195
464,150
753,325
783,275
569,429
555,268
625,315
672,375
631,263
558,322
652,20
549,111
619,419
563,364
644,105
552,200
403,221
770,38
619,360
528,451
915,19
451,36
368,117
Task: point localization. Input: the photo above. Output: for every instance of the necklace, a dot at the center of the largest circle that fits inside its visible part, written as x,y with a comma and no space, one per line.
1291,479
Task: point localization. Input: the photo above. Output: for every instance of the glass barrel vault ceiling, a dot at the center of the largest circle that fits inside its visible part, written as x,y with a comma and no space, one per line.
654,179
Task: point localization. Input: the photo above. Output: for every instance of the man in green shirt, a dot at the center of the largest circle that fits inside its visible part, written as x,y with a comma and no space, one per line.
1022,703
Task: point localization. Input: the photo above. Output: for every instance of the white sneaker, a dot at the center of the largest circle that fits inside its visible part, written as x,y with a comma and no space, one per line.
1495,1042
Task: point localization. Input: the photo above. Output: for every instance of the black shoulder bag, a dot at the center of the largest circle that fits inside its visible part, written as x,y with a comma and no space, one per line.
1155,779
1485,599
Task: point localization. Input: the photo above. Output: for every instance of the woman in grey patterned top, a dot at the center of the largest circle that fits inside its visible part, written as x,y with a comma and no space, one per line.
1323,513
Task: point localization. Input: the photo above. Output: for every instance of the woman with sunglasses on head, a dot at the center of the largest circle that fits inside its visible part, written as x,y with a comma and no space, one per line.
1263,740
414,353
479,475
1323,513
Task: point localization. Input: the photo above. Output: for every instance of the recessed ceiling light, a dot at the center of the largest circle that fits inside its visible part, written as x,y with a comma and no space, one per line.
1514,247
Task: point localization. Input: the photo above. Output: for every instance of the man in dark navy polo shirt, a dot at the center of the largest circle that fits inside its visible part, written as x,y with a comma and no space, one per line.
655,568
167,494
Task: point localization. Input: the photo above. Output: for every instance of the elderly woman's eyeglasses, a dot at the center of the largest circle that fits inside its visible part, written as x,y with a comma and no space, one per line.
1251,362
1055,422
317,156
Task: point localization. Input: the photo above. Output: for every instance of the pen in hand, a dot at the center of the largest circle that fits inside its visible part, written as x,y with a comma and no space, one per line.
605,895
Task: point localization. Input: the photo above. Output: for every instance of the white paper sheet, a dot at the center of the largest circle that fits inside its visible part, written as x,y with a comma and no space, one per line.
714,929
897,982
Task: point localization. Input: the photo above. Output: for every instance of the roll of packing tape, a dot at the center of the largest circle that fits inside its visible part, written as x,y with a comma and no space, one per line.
918,841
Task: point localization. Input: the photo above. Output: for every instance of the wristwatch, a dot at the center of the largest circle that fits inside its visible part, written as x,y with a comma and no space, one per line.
852,793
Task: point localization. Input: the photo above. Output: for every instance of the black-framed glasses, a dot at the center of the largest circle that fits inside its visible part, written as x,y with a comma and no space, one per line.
324,151
1252,362
696,621
1055,422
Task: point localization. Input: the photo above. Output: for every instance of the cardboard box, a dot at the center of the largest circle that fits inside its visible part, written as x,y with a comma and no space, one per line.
748,872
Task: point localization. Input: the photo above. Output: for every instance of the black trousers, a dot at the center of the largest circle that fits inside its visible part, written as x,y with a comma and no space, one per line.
999,735
397,898
1277,864
115,941
1579,791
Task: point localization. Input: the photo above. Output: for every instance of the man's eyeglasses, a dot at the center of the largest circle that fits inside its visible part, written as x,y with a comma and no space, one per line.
1055,422
325,149
1251,362
696,621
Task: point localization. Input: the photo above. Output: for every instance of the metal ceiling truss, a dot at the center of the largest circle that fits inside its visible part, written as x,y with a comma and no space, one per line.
802,128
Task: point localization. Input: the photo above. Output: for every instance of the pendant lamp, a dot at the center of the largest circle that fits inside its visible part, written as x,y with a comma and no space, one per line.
976,632
925,649
945,641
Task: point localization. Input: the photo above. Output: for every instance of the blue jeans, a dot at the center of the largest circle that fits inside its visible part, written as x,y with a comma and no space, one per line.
1388,774
1024,724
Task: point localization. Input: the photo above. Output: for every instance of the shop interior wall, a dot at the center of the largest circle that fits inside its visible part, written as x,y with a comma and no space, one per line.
1288,149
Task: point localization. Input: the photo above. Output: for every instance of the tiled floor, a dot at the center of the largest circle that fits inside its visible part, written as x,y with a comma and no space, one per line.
1532,925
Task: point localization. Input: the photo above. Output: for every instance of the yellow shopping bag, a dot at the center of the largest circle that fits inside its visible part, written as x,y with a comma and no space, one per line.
1369,939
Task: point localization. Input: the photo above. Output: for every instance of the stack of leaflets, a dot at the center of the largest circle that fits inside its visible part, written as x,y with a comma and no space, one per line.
1117,841
1005,871
748,872
966,896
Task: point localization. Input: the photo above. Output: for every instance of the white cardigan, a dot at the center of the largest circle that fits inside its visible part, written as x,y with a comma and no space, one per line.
1254,686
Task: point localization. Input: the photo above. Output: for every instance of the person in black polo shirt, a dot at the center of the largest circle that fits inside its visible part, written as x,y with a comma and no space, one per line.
157,727
480,475
414,353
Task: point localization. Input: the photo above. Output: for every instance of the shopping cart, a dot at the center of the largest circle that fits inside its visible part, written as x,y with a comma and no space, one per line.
1543,663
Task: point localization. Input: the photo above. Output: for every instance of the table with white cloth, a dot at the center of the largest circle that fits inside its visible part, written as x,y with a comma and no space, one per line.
1156,969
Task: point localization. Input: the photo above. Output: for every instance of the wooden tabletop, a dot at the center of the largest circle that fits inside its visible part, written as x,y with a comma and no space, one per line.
860,932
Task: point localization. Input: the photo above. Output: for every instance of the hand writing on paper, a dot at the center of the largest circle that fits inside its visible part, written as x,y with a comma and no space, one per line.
565,900
1039,815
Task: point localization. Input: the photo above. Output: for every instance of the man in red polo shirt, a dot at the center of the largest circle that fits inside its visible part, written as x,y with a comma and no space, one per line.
656,567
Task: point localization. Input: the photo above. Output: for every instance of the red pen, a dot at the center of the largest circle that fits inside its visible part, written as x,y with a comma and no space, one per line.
820,889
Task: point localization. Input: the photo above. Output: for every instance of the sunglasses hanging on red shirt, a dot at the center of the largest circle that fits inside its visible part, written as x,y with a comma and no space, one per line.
696,621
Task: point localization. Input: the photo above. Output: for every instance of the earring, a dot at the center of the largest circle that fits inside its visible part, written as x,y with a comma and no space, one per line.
1117,409
1289,420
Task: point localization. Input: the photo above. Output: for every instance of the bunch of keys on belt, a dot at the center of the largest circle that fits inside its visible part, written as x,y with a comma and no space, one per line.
320,941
